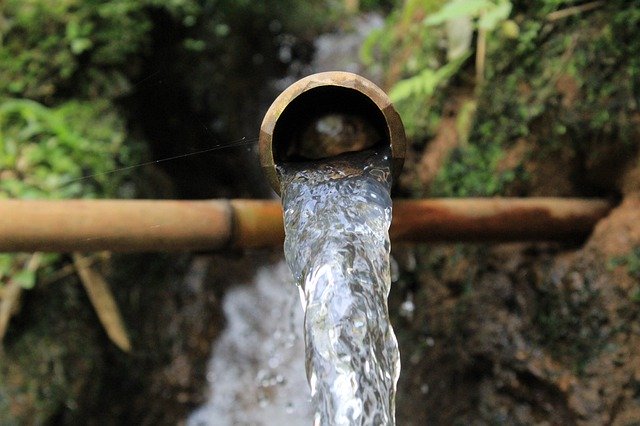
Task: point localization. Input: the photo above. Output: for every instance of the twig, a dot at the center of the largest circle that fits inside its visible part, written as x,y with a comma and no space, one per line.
67,270
11,295
574,10
103,302
481,53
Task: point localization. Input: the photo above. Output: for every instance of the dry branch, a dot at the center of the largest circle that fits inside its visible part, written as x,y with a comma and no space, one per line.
103,302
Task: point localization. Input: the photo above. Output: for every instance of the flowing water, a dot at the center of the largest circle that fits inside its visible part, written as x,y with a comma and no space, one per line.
256,372
337,215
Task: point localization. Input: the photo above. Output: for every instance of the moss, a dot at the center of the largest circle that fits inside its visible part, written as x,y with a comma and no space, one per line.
51,364
631,263
471,172
567,86
569,319
81,48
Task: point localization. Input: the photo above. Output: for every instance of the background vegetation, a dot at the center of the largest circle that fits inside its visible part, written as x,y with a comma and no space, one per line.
518,98
87,90
499,97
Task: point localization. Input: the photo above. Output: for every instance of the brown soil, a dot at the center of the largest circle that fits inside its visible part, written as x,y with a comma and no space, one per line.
523,334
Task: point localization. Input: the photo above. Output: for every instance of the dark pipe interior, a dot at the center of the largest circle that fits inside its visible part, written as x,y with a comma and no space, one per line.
291,136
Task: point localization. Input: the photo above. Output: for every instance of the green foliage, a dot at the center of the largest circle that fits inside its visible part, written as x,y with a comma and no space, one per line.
404,46
25,278
601,67
567,86
414,62
49,49
457,8
472,168
562,85
45,152
489,13
61,64
6,262
15,267
414,97
424,84
420,71
472,171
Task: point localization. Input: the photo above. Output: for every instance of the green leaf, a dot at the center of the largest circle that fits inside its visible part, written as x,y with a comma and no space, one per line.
458,8
194,44
495,15
6,261
26,278
80,45
425,83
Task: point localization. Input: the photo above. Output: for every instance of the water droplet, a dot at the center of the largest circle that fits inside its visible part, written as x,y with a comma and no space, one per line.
407,308
262,402
274,362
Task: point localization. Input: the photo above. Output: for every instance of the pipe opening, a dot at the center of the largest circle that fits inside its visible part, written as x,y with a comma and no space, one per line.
325,115
327,121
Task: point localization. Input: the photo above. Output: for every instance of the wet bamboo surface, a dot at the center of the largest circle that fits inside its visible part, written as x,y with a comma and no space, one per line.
160,225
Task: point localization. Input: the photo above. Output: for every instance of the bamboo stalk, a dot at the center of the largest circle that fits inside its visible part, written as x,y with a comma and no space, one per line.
146,225
116,225
495,219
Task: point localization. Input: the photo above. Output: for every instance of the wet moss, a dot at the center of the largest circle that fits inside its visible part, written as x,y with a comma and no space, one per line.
569,86
570,319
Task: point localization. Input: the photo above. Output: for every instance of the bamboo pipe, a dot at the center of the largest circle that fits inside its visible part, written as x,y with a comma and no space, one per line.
137,225
152,226
496,219
315,96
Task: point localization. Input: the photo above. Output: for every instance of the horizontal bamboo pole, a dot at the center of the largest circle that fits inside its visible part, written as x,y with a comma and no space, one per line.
158,225
118,225
496,219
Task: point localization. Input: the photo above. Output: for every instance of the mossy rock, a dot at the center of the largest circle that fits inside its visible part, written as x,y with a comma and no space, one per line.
566,89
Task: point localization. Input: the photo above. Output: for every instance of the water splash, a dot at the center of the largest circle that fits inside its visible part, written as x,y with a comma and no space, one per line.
337,215
256,371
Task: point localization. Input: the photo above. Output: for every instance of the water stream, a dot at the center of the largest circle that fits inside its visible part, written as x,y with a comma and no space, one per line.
257,368
337,216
